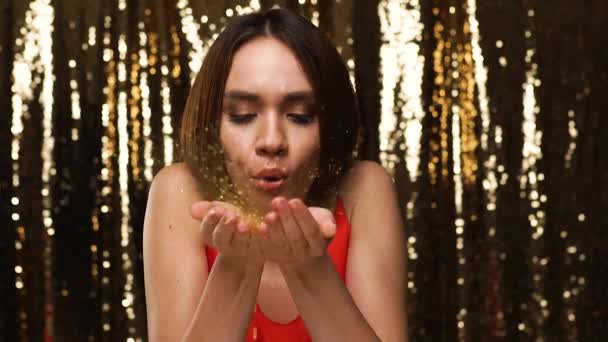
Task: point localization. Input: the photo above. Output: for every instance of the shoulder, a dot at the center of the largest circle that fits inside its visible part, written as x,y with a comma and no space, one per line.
176,178
363,179
175,265
376,262
368,170
173,190
171,193
371,202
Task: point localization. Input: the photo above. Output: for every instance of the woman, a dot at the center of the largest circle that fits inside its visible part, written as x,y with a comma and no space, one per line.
268,132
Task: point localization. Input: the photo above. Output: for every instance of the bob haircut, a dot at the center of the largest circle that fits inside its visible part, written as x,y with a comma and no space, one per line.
338,112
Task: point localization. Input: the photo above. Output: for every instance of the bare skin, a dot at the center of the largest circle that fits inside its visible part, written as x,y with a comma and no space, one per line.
283,265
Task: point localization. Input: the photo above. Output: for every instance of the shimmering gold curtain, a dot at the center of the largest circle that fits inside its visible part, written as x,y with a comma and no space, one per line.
488,114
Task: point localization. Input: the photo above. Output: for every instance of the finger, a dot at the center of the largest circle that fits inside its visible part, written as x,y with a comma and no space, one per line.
264,244
226,205
328,229
310,227
240,240
326,221
292,230
199,209
257,242
224,233
208,225
275,232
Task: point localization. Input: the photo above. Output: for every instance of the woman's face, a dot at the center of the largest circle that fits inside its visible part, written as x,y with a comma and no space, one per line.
269,126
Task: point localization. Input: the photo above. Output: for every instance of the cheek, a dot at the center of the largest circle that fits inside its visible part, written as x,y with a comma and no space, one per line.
235,151
229,142
315,151
312,153
228,146
317,145
224,134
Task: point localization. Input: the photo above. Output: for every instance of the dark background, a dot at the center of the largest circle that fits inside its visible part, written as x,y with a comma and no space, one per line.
476,273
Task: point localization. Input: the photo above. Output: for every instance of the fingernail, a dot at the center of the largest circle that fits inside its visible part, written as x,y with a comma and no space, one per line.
242,227
270,217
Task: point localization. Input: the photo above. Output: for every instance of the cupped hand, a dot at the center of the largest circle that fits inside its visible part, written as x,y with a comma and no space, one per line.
223,229
293,234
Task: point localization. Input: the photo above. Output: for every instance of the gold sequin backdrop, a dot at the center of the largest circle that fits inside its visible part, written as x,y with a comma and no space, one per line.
488,114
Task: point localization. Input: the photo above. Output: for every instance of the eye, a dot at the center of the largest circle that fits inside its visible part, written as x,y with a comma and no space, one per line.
302,119
240,118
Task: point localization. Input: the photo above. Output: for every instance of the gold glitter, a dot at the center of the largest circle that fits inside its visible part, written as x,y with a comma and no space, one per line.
167,128
33,65
502,60
146,111
459,222
191,30
104,197
400,100
529,180
135,122
573,133
126,246
468,112
400,55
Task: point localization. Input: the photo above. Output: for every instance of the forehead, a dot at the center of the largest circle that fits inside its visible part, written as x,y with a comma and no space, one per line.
266,66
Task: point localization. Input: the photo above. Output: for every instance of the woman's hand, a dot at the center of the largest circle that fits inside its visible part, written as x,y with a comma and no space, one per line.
292,234
223,229
326,221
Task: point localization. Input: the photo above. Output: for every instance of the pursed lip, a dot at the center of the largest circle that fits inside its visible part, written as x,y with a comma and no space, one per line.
271,174
270,179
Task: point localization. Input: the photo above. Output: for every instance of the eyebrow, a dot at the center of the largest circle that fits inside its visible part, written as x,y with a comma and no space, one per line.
240,95
296,96
300,96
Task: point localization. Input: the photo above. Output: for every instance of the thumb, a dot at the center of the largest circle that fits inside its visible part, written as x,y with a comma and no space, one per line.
326,220
199,209
328,229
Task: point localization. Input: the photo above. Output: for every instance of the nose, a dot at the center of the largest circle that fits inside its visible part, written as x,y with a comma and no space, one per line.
271,140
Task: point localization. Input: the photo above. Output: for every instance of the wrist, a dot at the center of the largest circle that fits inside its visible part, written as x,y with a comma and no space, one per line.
307,267
240,264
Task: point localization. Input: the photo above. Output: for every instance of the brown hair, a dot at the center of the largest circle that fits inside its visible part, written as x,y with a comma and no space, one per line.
339,116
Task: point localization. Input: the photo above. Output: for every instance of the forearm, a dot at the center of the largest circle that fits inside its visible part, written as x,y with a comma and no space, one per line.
325,304
226,305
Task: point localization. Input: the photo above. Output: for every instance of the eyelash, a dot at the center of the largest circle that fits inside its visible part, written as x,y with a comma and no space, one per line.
240,119
300,119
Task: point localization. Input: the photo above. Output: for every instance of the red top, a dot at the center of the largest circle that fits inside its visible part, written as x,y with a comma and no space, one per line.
261,328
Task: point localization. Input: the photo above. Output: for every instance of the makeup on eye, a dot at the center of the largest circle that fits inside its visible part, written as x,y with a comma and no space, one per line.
240,118
299,115
246,117
304,119
296,103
